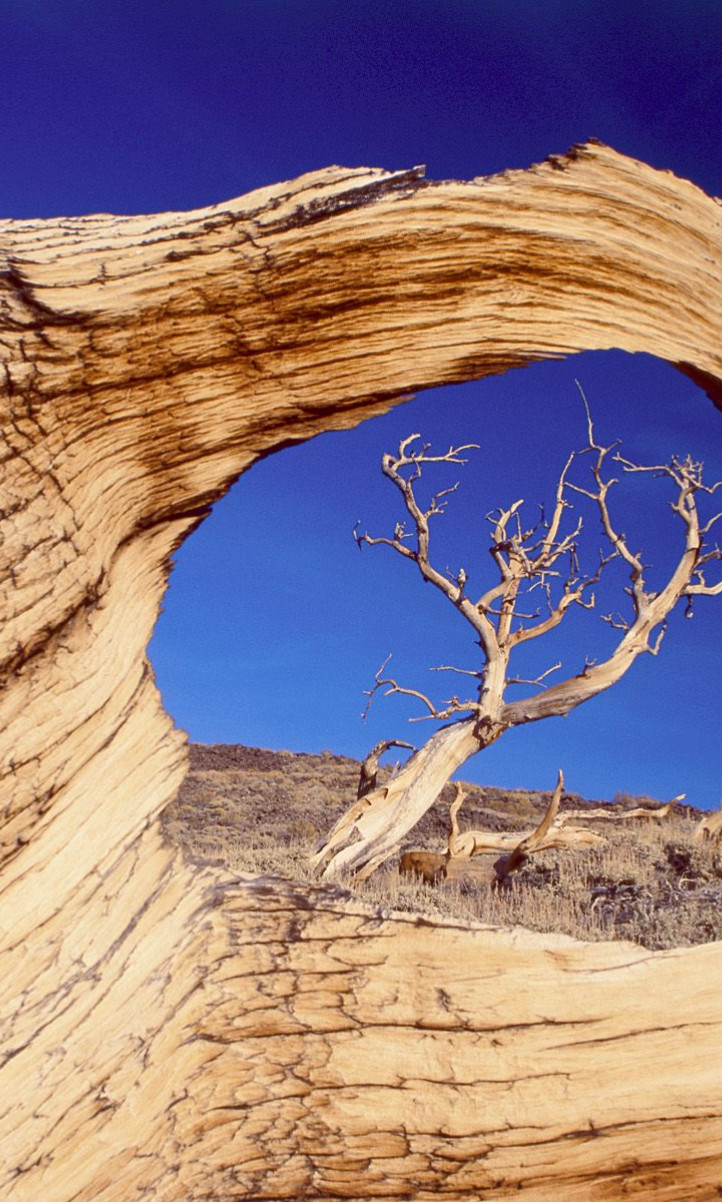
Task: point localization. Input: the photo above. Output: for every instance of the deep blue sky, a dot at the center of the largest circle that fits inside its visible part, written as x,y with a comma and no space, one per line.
274,622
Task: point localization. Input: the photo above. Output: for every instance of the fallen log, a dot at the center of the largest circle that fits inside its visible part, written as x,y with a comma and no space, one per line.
434,867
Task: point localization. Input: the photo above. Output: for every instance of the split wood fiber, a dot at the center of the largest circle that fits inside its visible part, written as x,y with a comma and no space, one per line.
173,1033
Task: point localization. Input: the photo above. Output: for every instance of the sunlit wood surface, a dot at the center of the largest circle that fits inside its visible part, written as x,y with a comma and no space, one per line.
169,1032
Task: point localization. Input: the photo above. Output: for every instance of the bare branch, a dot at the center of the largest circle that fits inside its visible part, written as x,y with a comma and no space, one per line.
651,609
451,707
573,594
461,671
416,458
465,846
497,613
370,766
704,590
698,585
715,518
379,683
396,543
616,814
393,687
709,556
590,423
559,507
394,468
500,519
438,502
616,622
538,679
535,840
462,845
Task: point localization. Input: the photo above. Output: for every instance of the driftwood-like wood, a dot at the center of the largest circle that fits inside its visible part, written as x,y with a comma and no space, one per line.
169,1032
473,854
527,558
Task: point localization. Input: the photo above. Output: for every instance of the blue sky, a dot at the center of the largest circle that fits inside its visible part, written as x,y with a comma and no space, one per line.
274,623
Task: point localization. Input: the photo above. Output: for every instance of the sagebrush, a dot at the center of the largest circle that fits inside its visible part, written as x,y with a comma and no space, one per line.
260,812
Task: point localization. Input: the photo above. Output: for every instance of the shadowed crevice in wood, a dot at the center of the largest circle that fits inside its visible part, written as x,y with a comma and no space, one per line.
186,1036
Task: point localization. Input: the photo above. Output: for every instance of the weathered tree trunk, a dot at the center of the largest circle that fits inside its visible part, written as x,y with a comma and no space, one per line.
368,833
171,1032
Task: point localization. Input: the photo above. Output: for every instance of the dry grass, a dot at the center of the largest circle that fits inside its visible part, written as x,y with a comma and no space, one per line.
257,811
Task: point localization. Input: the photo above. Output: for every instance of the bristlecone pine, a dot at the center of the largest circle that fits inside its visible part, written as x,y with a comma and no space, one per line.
177,1034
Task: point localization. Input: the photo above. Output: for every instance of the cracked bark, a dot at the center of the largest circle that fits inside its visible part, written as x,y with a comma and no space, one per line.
181,1035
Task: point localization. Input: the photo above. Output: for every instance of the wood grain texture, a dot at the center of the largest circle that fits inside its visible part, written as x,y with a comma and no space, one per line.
177,1034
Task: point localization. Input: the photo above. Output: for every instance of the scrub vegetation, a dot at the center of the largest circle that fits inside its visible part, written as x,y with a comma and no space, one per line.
652,882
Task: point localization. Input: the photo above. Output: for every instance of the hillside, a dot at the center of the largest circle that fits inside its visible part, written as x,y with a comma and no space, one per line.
260,811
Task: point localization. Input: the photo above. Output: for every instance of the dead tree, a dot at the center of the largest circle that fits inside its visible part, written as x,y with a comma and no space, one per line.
464,846
554,831
540,560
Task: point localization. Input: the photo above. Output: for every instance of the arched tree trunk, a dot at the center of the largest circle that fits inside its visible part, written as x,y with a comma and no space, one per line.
175,1033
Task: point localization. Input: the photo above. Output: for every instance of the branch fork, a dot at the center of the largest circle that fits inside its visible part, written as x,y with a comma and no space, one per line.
544,555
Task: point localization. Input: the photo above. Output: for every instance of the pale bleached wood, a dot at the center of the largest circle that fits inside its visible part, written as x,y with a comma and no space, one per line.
168,1032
